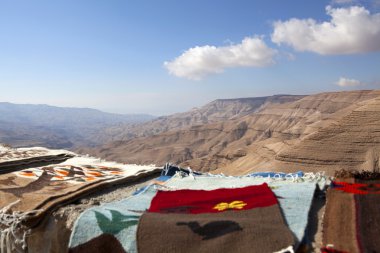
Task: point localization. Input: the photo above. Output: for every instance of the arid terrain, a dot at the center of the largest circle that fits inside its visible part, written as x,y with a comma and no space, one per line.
321,132
324,131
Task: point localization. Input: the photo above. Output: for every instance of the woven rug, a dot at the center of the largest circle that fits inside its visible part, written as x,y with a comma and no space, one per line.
295,195
222,220
29,194
12,159
352,217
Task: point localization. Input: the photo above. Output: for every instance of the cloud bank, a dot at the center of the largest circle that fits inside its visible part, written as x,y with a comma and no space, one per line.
198,62
351,30
346,82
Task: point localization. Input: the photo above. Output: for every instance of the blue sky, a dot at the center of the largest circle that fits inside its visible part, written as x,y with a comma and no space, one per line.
161,57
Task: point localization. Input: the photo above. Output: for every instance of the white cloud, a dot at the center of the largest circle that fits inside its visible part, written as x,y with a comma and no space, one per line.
197,62
351,30
346,82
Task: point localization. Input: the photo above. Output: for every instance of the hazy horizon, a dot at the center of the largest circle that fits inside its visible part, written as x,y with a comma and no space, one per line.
157,115
165,57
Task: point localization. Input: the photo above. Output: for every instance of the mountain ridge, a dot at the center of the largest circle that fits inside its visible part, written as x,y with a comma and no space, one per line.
214,111
243,144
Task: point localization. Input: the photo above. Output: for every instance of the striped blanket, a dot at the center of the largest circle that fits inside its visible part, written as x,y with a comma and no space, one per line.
352,217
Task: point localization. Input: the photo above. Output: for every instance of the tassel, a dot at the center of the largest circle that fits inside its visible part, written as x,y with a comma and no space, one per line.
13,234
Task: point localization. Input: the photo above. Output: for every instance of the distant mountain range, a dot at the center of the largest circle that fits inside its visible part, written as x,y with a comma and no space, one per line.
57,127
325,131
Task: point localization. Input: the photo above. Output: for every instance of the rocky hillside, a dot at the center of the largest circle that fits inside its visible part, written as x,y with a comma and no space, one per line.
248,142
216,111
353,142
56,127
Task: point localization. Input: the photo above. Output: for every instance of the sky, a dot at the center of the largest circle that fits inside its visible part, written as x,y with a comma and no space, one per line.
167,56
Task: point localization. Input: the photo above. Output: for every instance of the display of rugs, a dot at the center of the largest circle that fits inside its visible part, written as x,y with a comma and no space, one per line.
352,217
27,195
295,196
222,220
195,212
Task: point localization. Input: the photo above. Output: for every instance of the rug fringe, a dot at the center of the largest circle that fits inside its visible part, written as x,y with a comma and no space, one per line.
13,233
307,177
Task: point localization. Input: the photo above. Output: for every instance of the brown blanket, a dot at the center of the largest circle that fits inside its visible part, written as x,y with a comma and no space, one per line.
352,217
224,220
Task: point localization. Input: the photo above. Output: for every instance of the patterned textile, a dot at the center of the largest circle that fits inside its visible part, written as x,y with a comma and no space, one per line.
203,201
12,159
295,197
352,218
356,188
222,220
34,192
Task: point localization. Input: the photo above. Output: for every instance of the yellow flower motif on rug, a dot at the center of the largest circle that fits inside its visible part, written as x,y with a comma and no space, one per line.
237,204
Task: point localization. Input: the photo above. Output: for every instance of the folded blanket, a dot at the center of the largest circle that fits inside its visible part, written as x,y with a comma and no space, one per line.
29,194
352,218
222,220
12,159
